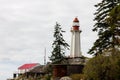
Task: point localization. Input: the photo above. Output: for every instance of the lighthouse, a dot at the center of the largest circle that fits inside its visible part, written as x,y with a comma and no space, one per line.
75,50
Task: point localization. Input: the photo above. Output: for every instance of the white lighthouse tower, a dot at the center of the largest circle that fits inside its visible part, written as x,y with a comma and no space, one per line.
75,50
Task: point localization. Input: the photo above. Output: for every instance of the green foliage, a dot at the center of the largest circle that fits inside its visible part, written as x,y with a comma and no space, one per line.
103,67
48,77
59,45
77,76
107,24
93,69
114,23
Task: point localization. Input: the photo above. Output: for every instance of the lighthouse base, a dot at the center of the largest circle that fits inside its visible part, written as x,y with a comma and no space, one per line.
61,70
68,66
77,60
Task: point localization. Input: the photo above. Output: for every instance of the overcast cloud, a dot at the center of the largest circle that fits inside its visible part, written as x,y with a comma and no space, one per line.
26,29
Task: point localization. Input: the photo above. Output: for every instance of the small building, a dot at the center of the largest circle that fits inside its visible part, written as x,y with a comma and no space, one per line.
27,67
29,70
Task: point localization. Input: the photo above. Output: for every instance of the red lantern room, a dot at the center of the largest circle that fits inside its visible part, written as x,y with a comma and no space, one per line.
76,24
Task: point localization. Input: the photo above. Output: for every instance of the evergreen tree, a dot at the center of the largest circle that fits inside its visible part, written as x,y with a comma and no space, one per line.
59,45
104,25
114,26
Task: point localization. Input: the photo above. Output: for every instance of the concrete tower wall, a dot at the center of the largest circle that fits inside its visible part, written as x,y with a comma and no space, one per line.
75,50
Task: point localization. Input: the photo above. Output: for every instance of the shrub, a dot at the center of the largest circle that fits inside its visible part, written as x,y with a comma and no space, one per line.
77,76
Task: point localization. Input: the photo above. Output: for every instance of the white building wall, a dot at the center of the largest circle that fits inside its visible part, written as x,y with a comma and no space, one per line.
75,44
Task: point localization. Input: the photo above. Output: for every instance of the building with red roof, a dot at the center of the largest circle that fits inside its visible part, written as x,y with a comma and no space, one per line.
29,70
27,67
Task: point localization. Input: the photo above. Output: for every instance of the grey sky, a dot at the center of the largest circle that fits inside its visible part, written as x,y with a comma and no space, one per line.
26,28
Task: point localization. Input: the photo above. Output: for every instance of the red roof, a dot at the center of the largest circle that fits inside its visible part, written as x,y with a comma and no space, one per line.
76,20
28,66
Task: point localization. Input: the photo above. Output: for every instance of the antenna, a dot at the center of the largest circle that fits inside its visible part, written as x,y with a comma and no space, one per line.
45,57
